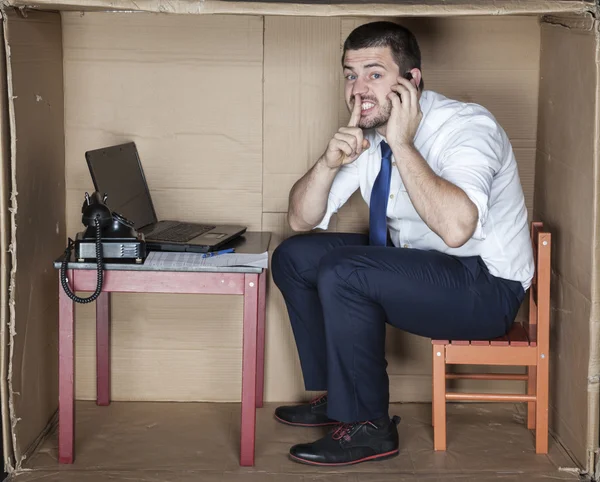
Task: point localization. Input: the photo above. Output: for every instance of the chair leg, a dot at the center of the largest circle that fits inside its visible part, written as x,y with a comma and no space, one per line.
531,390
433,397
541,409
439,397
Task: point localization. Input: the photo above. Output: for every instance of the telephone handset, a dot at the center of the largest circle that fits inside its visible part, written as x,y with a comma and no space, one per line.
407,76
108,235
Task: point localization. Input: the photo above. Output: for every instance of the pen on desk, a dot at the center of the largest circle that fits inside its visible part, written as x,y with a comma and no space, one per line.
217,253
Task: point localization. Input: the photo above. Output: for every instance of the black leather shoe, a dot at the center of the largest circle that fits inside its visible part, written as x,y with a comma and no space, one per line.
313,414
351,443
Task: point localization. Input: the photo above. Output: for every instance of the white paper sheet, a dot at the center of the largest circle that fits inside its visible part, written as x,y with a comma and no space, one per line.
183,261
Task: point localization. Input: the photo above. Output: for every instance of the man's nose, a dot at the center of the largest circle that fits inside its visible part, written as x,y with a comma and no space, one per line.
359,87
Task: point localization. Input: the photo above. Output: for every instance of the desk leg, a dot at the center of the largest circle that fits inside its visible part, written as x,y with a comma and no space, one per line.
103,349
249,360
260,348
66,374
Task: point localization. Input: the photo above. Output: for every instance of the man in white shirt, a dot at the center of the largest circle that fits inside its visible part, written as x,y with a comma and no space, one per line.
448,254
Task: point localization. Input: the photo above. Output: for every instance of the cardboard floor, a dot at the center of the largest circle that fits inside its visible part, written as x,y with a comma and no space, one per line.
185,442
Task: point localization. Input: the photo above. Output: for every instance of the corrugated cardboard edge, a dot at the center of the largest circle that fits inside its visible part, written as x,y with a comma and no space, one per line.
407,8
13,420
593,435
580,22
5,188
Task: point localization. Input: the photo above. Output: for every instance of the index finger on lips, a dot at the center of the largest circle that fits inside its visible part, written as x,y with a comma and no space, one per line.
355,117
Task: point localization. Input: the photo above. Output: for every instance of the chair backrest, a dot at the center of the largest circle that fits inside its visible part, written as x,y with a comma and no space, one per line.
539,292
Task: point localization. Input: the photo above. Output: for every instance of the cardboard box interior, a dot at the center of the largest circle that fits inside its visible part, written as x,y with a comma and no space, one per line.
486,443
227,112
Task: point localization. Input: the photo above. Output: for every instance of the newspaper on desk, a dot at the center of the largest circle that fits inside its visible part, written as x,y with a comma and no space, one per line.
183,261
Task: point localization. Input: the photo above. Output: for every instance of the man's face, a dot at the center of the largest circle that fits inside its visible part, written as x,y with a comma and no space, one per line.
370,72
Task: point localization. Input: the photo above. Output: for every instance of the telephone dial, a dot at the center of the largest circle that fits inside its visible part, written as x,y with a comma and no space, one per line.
108,236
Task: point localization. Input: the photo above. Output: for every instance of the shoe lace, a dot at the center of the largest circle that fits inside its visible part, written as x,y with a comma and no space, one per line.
318,399
344,430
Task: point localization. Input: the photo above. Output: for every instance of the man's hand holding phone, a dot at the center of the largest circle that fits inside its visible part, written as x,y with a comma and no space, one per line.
348,143
406,113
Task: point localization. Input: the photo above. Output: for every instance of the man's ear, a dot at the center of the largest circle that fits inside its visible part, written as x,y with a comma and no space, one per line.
417,76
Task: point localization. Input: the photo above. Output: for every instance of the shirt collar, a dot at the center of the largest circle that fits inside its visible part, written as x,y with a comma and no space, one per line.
374,139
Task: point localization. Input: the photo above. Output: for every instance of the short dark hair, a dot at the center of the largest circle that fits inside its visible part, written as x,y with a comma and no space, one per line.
402,42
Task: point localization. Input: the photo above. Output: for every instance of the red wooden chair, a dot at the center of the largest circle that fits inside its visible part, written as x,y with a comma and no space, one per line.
525,345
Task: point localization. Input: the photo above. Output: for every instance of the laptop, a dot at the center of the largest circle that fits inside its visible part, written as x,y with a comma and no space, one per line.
117,172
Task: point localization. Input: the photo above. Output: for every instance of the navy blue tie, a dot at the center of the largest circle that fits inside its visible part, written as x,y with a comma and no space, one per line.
379,199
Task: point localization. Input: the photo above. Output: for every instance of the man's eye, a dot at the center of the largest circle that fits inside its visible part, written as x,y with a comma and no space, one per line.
376,76
350,77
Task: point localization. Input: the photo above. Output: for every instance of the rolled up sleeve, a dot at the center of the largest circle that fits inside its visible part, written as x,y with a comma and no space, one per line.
471,160
345,183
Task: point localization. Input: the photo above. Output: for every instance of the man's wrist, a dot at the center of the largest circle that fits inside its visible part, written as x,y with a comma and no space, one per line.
400,149
322,163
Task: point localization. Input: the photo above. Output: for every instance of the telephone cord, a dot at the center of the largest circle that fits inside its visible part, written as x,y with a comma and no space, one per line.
99,267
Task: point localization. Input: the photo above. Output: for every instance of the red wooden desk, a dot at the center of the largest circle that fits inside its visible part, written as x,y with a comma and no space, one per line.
249,282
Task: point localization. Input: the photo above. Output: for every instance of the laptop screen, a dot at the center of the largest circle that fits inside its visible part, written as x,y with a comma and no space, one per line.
117,171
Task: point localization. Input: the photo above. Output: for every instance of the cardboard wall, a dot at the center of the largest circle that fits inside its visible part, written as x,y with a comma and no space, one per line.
35,92
188,91
566,200
227,112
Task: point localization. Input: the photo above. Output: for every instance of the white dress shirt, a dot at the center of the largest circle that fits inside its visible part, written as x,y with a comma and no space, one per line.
462,143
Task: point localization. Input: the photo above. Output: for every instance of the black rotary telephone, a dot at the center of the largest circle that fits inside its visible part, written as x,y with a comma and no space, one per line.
108,235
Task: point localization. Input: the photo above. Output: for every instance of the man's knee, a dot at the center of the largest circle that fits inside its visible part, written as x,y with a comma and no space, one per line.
283,256
286,254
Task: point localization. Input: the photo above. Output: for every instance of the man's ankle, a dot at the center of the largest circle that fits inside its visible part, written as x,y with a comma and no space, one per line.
311,414
381,421
319,399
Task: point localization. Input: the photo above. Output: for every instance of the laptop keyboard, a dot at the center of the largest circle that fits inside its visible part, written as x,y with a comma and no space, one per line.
181,232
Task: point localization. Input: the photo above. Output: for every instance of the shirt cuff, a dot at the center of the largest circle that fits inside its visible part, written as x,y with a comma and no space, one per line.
324,224
332,204
480,201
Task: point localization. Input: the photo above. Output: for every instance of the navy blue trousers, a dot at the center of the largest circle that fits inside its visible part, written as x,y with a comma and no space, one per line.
340,293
